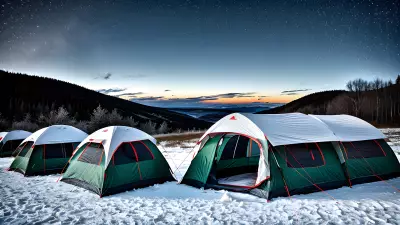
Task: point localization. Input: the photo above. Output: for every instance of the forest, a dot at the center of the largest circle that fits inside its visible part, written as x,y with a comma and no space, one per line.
376,101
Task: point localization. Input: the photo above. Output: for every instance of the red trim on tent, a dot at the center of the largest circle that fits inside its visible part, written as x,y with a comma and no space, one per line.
137,159
101,157
84,150
312,155
320,151
283,178
245,135
376,142
372,170
1,138
314,184
232,118
147,148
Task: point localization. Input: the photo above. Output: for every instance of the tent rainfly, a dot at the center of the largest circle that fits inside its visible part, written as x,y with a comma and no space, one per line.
367,155
47,150
9,141
115,159
271,155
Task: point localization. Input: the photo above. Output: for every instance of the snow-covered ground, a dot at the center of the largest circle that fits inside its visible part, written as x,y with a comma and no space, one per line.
42,200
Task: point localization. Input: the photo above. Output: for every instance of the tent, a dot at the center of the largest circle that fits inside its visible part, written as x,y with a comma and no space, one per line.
368,156
116,159
269,155
47,150
9,141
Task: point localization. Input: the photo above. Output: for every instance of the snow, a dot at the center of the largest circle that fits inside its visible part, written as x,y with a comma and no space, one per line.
41,199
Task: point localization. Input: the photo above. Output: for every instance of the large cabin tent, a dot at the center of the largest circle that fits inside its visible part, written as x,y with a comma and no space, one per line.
368,156
9,141
116,159
268,155
47,150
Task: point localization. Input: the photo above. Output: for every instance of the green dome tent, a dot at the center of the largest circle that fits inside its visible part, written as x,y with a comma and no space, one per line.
47,150
116,159
9,141
278,155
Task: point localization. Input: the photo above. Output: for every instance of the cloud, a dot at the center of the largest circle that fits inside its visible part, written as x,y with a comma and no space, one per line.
169,101
132,94
106,76
111,90
167,90
298,90
149,98
291,93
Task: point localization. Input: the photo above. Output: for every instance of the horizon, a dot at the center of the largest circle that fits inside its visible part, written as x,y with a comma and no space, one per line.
202,54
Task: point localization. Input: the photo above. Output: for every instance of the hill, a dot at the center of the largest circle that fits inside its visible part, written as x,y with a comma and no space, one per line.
316,101
21,94
377,102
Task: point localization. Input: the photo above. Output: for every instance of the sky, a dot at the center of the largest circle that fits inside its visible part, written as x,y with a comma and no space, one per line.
195,53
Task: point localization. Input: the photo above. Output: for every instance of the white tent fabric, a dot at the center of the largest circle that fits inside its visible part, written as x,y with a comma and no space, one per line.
280,129
111,137
236,123
350,128
56,134
292,128
14,135
2,135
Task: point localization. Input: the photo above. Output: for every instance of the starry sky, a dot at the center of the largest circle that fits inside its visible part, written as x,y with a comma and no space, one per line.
191,53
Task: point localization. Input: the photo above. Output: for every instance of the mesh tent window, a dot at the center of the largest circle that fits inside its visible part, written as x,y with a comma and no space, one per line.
92,154
54,151
10,145
143,152
124,155
236,147
25,148
304,155
131,152
363,149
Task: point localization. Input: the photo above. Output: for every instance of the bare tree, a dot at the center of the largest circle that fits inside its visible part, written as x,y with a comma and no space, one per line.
342,104
163,128
3,123
25,124
148,127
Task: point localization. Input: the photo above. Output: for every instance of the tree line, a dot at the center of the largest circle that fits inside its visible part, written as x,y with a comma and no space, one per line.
377,101
99,118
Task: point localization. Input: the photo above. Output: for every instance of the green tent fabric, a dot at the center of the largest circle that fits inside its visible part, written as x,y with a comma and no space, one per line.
116,159
47,151
370,160
297,154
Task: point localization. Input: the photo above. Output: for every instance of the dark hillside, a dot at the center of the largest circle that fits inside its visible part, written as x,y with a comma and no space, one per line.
315,102
376,101
23,94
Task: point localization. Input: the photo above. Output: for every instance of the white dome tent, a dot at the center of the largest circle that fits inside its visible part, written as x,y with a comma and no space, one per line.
9,141
274,155
47,150
116,159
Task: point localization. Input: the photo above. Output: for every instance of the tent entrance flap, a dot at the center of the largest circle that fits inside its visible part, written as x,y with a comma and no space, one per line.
237,161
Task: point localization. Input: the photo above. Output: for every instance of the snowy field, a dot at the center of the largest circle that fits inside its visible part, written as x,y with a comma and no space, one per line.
41,200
